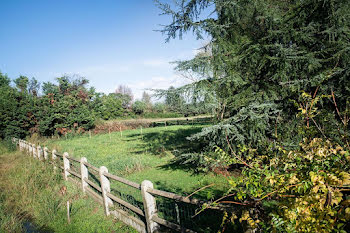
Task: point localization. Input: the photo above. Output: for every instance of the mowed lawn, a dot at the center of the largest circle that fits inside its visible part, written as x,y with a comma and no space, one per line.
145,156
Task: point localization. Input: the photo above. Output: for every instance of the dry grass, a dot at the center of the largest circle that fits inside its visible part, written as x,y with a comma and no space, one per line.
121,125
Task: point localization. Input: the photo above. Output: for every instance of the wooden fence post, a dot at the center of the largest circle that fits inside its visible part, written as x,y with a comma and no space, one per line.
54,156
84,173
34,150
39,152
149,204
46,153
29,149
106,188
66,165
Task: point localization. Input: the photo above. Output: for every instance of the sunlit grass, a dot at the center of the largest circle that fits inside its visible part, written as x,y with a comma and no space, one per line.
139,156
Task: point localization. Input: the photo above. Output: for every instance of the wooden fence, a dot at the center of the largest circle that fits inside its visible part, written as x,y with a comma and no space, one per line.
147,219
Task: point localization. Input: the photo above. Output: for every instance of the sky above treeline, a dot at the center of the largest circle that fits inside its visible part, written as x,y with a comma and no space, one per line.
110,42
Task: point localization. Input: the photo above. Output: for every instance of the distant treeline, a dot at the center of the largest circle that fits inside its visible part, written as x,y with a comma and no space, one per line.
69,105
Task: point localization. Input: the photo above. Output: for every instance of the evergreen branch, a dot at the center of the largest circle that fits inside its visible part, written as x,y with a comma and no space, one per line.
232,151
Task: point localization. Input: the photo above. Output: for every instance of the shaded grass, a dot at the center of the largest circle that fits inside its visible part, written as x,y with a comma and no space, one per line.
32,192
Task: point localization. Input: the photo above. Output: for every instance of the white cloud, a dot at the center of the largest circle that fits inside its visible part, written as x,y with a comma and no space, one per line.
156,82
195,52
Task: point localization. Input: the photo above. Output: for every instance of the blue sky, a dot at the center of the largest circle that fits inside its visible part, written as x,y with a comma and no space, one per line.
108,42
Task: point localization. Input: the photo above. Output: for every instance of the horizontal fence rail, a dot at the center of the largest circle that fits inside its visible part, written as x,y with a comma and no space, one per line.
173,196
145,219
122,180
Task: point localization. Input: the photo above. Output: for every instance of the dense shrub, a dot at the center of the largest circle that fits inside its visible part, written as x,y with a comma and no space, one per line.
139,107
290,191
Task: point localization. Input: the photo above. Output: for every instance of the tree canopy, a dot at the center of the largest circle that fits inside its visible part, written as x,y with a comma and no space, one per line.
261,56
278,73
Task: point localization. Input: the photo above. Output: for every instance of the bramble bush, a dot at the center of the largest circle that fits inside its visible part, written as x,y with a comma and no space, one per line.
303,190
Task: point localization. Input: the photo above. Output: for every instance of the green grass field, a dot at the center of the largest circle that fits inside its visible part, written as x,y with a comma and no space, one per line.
138,157
148,156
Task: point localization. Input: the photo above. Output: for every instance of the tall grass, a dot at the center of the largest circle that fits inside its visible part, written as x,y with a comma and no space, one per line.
33,192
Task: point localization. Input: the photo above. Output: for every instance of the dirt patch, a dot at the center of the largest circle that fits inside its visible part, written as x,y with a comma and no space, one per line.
120,125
